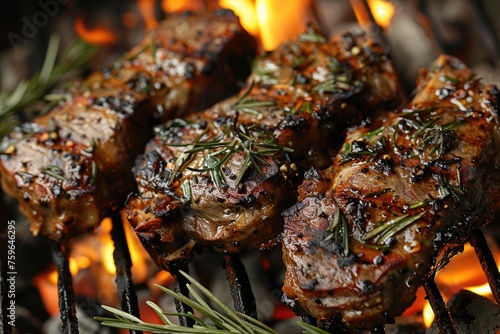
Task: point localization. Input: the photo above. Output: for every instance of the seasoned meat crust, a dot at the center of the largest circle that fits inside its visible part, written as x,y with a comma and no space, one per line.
221,178
399,200
72,167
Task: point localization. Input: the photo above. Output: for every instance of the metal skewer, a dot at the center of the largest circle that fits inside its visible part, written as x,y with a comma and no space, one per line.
241,289
483,252
180,287
441,313
65,288
123,262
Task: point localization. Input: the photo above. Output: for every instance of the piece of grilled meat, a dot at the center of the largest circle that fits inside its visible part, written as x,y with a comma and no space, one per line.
222,177
399,200
72,167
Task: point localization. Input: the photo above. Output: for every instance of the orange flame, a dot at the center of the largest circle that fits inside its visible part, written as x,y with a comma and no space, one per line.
140,257
46,283
278,23
92,267
97,35
169,6
382,11
269,20
454,278
245,10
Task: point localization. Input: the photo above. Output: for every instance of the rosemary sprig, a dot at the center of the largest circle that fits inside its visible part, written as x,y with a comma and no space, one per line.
337,230
253,143
422,128
186,189
95,170
184,158
90,149
445,188
374,132
267,72
388,229
358,149
75,56
312,36
251,105
207,319
439,138
54,171
419,204
426,132
336,84
445,78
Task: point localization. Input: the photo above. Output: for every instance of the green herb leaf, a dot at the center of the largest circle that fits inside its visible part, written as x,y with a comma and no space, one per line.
310,329
54,171
312,36
76,56
391,227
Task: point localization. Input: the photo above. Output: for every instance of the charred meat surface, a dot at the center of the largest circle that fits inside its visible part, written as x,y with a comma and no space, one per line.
71,167
399,200
221,178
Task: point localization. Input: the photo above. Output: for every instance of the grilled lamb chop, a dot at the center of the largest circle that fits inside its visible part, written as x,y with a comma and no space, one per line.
222,177
72,167
399,200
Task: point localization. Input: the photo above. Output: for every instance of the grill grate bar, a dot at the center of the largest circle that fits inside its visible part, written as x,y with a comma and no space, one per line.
180,286
483,252
4,324
441,313
241,289
65,288
123,263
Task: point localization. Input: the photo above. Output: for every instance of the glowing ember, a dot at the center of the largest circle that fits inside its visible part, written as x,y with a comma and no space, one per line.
96,35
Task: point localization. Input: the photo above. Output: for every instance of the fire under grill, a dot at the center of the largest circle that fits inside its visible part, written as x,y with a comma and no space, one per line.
240,285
